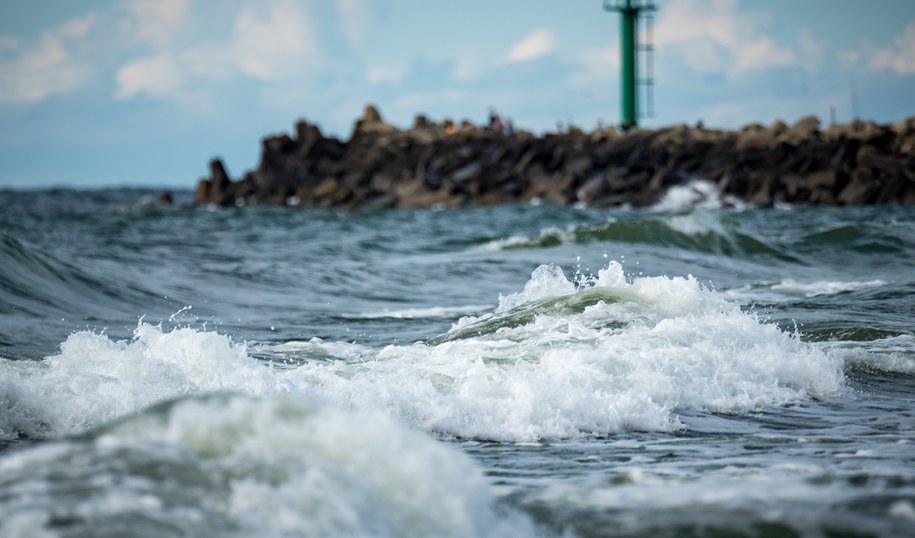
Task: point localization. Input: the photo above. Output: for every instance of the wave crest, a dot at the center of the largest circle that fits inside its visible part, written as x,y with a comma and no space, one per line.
556,360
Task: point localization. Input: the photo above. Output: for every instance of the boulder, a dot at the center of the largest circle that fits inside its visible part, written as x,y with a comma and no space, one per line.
870,157
860,189
803,129
420,122
219,179
202,192
754,140
371,122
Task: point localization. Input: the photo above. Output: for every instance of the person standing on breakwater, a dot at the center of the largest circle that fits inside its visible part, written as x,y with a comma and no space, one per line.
495,122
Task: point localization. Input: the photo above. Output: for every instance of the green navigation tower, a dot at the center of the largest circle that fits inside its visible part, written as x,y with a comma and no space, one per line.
630,11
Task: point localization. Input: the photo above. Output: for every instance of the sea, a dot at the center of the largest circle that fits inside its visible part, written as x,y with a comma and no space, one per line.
700,368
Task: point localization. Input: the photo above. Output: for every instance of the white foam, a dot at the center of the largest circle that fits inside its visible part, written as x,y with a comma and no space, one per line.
737,498
891,354
697,223
681,347
320,347
630,358
697,193
790,286
902,510
277,466
94,379
517,241
424,313
546,281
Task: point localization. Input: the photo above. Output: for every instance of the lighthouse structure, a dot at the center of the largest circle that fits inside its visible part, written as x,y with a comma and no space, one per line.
631,12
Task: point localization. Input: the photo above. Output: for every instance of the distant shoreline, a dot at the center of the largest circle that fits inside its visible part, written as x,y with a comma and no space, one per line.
442,164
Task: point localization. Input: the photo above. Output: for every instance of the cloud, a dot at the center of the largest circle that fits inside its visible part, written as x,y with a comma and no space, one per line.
467,68
811,49
30,74
268,41
356,20
209,60
900,57
160,26
275,43
762,53
156,21
713,36
158,76
382,74
77,28
597,64
534,45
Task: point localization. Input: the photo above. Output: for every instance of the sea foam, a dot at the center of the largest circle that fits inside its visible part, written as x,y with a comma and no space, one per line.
697,193
556,360
232,465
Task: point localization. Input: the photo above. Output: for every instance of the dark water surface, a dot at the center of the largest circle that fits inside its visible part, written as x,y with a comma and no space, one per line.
688,370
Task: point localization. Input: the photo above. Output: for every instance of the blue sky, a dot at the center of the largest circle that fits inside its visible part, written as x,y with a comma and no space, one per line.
145,92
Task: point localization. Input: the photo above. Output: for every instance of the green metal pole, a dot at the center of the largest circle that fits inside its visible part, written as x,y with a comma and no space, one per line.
628,65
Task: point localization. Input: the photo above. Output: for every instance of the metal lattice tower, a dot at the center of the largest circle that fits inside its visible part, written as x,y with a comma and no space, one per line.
630,12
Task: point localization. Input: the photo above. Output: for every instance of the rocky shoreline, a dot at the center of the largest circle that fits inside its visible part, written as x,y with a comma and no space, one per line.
442,164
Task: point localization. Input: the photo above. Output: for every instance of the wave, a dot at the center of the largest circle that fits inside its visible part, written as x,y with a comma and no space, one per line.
233,465
873,238
40,285
809,237
697,230
556,360
422,313
696,194
788,289
882,352
790,286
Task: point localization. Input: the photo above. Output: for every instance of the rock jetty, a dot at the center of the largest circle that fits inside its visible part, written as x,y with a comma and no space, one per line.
444,164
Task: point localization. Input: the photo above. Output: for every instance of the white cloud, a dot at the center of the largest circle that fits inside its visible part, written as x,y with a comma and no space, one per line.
157,21
165,70
713,36
77,28
597,64
382,74
811,50
158,76
851,57
762,53
32,74
356,20
534,45
269,41
900,57
274,43
467,68
209,60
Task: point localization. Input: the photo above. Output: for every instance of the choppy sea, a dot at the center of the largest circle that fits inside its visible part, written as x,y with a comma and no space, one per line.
698,368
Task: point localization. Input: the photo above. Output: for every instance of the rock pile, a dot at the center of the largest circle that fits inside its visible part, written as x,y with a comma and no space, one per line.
443,164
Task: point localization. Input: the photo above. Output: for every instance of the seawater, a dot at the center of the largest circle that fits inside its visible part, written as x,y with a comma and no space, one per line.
699,368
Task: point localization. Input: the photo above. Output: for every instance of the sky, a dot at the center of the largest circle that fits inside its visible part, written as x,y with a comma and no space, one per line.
145,92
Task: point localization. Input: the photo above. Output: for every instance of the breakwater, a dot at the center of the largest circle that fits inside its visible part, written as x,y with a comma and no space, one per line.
443,164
